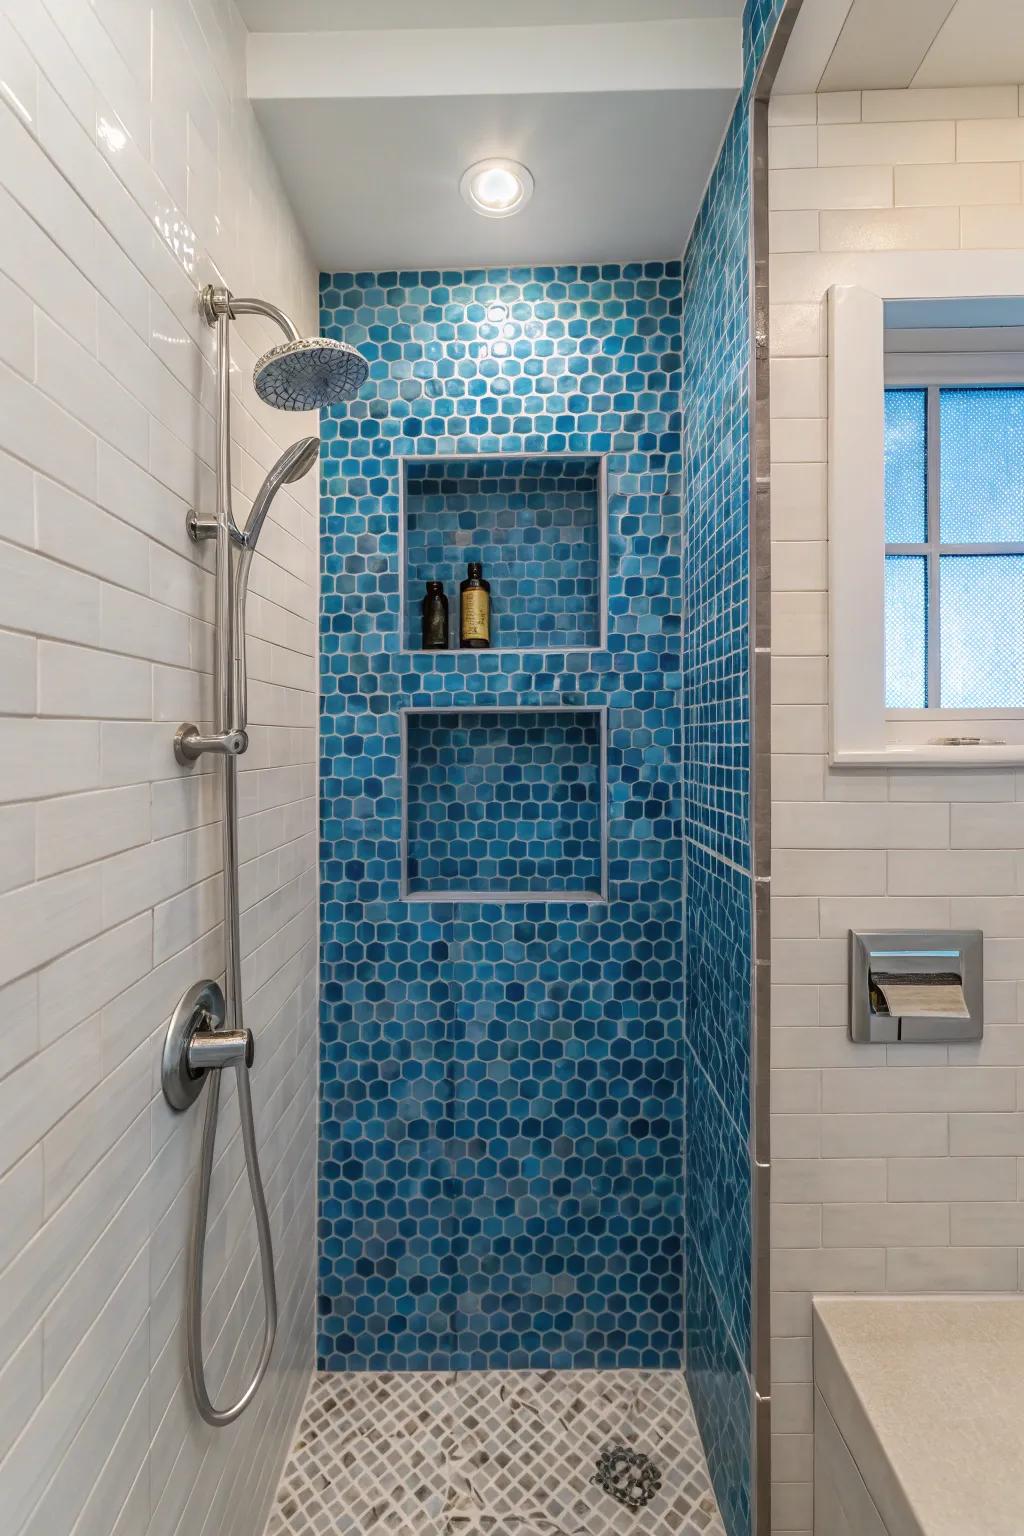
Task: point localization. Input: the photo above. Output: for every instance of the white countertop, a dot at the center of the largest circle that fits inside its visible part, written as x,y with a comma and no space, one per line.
928,1393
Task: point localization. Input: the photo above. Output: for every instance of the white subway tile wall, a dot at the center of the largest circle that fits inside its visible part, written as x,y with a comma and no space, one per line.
131,172
894,1169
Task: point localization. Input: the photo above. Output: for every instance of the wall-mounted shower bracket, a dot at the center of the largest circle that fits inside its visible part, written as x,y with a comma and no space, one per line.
200,528
196,1043
190,744
214,301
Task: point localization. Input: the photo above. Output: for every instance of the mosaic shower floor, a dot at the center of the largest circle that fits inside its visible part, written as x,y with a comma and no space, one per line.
490,1453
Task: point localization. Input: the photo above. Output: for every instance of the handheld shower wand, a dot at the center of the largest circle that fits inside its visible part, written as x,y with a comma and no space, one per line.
298,375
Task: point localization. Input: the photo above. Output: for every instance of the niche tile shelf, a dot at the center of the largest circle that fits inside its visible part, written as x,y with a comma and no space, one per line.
537,524
504,804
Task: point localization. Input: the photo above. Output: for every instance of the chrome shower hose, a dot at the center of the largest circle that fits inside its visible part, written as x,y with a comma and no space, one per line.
194,1323
194,1304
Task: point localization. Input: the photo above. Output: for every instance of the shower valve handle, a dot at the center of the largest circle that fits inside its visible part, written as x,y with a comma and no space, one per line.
213,1049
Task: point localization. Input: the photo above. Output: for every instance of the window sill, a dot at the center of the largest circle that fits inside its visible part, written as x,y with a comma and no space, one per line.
1009,754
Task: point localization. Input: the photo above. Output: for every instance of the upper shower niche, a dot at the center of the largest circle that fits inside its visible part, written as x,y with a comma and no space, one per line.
538,526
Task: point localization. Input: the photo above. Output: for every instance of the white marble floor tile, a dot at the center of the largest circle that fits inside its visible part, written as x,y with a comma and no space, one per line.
490,1453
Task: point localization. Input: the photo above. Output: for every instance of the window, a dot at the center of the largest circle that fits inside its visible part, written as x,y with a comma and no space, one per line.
954,548
925,609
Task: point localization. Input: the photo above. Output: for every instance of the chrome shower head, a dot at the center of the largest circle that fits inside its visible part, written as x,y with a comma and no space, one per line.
310,373
298,459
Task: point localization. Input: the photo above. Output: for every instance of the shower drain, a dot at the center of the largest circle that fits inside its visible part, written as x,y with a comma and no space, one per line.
629,1476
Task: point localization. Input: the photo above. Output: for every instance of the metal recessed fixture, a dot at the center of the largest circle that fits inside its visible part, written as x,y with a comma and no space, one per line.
496,188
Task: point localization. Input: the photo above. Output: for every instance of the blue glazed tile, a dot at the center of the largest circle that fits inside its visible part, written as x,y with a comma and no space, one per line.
716,708
718,964
722,1397
717,1212
760,18
716,389
501,1112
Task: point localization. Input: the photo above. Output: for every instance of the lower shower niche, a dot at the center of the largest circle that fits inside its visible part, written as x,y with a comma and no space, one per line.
504,804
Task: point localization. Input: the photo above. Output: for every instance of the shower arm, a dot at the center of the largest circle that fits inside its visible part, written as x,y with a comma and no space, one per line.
218,301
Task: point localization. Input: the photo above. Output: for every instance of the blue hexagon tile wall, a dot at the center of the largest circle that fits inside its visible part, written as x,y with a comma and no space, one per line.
716,676
501,1168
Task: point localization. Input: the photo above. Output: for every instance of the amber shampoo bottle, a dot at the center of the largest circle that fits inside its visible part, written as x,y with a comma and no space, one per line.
475,609
435,618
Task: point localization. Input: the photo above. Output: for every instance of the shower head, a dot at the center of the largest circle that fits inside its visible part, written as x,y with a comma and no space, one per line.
292,465
298,459
308,374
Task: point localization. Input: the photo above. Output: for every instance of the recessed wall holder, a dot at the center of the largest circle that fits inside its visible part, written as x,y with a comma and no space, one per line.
915,987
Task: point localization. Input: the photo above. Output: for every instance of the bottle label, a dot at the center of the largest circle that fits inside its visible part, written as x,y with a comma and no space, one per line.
476,614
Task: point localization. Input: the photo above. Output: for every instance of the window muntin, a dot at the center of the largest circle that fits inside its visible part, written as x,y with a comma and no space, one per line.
954,564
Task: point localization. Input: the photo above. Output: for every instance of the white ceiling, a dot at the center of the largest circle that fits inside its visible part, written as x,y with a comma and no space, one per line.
619,121
840,45
616,177
386,15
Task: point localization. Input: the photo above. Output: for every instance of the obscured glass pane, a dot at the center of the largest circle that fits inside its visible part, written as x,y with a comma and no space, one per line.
981,631
906,517
981,483
906,642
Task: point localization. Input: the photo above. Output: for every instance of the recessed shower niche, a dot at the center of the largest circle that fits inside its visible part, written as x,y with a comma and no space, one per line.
537,525
504,804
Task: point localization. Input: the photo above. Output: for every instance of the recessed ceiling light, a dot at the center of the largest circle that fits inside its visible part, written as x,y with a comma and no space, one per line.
496,188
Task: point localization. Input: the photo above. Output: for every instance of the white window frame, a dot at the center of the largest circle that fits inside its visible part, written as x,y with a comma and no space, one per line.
863,733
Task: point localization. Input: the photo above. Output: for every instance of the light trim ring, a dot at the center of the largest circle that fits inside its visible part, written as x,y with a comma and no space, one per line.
496,188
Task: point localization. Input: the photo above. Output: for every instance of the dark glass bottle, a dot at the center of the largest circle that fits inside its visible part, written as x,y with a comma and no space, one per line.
475,609
435,618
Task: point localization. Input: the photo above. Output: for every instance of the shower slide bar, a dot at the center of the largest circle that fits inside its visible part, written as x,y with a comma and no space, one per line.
207,1033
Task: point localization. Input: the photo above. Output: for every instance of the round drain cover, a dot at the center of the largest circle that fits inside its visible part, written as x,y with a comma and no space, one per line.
628,1475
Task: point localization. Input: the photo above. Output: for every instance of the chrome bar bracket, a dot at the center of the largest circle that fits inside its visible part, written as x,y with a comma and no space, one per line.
200,528
190,744
214,301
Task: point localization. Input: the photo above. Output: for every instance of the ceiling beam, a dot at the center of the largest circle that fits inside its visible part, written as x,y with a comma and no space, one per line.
689,55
